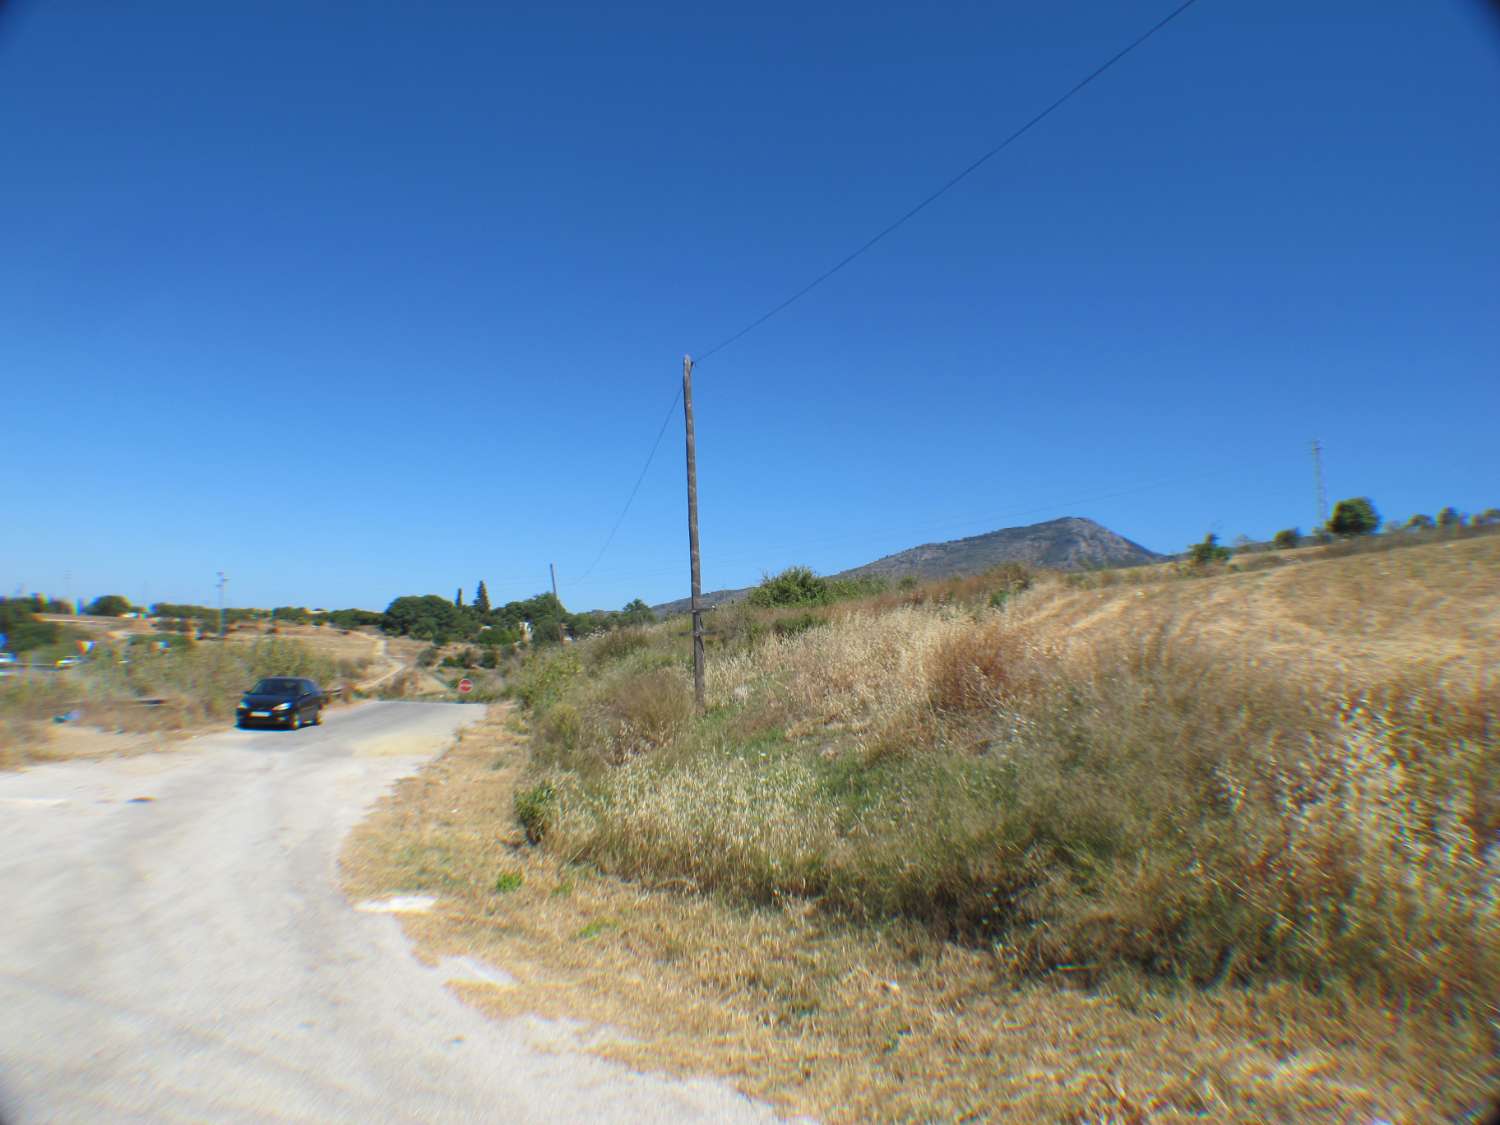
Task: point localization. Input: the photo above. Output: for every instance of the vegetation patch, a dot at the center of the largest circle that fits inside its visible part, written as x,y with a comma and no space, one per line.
885,1020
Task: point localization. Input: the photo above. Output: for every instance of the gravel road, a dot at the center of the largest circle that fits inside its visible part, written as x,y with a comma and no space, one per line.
174,947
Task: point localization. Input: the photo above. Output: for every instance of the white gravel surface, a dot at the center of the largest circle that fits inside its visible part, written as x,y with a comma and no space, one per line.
174,947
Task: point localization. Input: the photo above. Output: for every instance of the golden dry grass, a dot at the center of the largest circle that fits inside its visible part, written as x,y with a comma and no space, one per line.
1384,616
887,1022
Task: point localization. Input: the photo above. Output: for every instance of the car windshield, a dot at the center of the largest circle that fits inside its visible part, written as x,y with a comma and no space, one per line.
276,687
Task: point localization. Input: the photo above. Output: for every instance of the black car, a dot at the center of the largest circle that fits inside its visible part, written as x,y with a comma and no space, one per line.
281,701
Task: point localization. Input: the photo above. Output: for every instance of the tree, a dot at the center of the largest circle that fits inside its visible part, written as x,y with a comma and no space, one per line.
1450,517
1287,538
1354,517
22,628
430,617
1487,518
109,605
482,599
353,618
1209,551
458,598
636,612
1420,522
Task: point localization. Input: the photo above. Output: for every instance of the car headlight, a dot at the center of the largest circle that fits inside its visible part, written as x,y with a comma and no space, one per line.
244,706
281,706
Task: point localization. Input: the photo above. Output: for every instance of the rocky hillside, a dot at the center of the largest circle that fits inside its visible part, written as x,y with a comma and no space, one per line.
1070,543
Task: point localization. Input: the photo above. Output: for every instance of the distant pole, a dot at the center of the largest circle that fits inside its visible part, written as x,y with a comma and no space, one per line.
692,490
221,584
553,568
1317,456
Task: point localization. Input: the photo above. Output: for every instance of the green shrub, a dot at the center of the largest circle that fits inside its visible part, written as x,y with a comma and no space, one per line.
109,605
534,809
25,631
1354,517
1208,551
796,585
617,644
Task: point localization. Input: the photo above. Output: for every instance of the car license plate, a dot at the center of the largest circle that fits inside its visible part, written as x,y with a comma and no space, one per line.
260,714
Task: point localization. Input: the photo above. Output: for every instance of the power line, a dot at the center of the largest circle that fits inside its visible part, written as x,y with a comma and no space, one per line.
847,259
952,183
874,534
629,500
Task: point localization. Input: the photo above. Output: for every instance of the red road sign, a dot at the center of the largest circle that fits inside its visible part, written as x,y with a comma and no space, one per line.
466,685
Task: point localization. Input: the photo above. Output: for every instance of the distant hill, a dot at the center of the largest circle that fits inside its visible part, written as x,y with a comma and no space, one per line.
1070,543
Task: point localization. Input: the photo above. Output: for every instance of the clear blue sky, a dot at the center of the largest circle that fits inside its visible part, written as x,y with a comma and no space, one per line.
355,300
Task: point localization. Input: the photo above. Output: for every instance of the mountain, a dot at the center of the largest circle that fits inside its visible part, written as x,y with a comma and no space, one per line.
1070,543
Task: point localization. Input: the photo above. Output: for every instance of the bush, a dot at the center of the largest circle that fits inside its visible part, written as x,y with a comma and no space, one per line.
1209,551
1354,517
109,605
1287,538
534,809
24,631
1450,518
617,645
794,586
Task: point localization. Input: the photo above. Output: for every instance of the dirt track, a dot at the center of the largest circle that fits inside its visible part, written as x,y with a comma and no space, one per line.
175,948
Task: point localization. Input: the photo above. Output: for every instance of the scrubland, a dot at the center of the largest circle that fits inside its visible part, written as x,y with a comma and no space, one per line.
1144,845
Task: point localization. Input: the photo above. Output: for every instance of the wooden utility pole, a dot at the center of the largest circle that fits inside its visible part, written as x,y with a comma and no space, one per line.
692,489
553,568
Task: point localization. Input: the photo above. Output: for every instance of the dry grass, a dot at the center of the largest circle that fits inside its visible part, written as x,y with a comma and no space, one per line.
886,1022
1136,848
1344,622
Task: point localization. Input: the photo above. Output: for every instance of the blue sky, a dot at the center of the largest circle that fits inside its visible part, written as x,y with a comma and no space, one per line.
350,301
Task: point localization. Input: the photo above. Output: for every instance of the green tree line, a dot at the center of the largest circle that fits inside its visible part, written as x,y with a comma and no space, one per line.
442,620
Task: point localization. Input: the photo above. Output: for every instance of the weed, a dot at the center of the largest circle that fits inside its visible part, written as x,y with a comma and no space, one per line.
534,808
509,881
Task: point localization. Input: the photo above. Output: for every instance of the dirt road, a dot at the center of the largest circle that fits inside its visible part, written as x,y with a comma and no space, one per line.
174,947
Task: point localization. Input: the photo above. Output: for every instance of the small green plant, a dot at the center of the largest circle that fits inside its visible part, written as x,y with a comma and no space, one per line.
534,809
595,928
509,881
